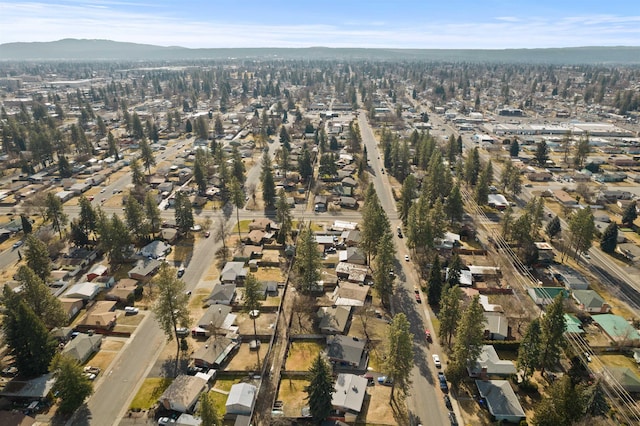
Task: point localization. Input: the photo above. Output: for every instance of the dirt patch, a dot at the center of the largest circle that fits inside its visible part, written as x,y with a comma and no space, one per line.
302,354
264,323
131,320
246,359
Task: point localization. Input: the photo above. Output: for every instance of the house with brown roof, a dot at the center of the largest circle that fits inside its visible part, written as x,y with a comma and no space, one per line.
348,294
564,198
71,306
100,315
183,393
122,289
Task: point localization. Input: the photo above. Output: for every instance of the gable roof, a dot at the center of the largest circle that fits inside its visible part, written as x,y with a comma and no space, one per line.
348,294
183,392
496,323
616,327
345,348
216,316
241,398
334,319
213,352
83,346
221,294
573,324
500,397
628,378
233,271
85,290
490,360
588,298
349,392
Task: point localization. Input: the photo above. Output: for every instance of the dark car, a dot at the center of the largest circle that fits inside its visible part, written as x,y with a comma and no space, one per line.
443,382
452,419
447,402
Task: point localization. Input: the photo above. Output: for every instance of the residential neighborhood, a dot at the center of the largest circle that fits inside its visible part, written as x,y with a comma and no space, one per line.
288,242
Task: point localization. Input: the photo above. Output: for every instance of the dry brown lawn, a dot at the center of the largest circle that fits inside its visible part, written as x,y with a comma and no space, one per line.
269,274
102,359
376,409
131,320
615,361
246,359
112,344
264,323
292,394
302,354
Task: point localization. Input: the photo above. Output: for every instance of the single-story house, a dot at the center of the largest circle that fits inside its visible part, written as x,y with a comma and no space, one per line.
98,270
37,388
348,202
564,198
122,289
347,352
353,255
348,294
545,295
502,402
170,235
233,272
262,224
241,398
352,272
183,393
83,346
351,238
617,328
100,315
320,203
221,294
573,325
489,364
570,278
629,250
497,326
62,334
628,379
334,319
84,291
155,249
348,396
590,301
214,353
145,269
217,319
71,306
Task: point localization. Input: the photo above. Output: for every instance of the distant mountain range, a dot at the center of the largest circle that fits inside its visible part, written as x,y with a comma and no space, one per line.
91,50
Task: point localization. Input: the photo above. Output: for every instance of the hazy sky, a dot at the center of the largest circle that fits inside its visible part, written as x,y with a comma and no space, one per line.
347,23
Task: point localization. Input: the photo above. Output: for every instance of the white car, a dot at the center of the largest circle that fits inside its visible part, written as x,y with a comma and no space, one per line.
130,310
406,257
436,360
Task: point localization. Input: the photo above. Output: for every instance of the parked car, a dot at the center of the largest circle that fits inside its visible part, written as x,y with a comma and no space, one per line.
443,381
18,244
386,381
163,421
417,295
130,310
436,360
452,419
207,234
180,271
182,331
427,334
406,257
447,402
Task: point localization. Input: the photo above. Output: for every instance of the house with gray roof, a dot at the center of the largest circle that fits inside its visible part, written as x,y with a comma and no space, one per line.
214,353
502,401
155,249
334,319
145,269
183,393
83,346
489,364
221,294
590,301
348,396
217,319
233,272
627,378
347,352
241,399
496,326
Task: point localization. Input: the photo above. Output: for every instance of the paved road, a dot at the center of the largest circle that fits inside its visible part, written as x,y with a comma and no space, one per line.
425,402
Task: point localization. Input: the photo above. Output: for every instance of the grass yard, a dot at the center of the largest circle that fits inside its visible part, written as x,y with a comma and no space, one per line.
292,394
302,354
132,320
269,274
110,344
376,408
102,359
271,301
219,401
149,392
617,361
